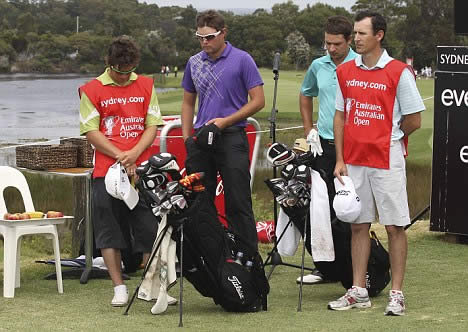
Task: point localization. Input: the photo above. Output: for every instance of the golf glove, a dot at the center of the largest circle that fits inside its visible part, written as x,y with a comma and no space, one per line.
313,140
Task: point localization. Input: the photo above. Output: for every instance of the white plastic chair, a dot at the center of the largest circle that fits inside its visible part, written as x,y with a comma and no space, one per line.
11,177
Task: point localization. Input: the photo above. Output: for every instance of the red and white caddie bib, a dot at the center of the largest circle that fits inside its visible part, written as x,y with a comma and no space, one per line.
369,97
123,112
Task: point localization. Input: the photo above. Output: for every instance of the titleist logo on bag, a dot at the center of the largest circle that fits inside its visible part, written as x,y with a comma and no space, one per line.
237,285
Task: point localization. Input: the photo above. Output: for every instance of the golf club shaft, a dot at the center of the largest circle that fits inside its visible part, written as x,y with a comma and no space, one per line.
299,306
150,260
181,288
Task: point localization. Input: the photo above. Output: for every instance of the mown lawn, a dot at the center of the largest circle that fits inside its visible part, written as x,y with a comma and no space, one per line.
434,286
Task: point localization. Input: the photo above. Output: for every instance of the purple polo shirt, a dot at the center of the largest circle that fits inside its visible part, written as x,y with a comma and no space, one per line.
222,85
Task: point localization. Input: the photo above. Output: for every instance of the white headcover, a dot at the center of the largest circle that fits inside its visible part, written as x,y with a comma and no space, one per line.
346,203
118,185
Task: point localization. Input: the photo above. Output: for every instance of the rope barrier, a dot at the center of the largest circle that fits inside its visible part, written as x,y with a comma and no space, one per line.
58,139
178,136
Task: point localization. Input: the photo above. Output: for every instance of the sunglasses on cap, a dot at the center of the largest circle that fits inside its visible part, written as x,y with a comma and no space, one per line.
123,72
207,37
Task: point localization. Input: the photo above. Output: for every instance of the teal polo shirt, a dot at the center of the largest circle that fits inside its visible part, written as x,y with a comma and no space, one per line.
320,81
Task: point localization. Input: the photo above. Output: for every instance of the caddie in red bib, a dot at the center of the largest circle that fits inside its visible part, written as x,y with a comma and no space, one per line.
119,114
369,97
377,107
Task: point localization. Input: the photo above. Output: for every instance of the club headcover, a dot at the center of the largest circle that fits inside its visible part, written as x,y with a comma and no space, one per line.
278,154
207,137
288,172
153,181
303,174
144,168
164,161
193,182
306,158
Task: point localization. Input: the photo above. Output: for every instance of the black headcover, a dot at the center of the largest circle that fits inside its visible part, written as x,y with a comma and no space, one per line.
207,137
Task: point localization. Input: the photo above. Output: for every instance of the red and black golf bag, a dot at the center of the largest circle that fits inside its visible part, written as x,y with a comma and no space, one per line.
212,262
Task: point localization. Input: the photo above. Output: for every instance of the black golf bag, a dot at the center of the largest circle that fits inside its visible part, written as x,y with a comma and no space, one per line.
210,263
378,275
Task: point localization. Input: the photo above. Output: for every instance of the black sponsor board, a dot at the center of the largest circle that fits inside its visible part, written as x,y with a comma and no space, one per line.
449,203
452,59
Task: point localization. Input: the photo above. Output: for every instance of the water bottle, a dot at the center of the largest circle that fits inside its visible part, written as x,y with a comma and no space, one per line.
248,265
239,256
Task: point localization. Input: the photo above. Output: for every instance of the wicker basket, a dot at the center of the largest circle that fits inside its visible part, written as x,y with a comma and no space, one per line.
43,157
85,150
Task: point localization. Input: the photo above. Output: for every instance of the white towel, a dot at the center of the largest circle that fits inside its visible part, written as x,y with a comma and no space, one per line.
320,229
161,274
287,246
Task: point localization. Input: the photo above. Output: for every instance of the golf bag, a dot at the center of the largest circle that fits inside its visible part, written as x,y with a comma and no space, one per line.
217,262
378,275
341,269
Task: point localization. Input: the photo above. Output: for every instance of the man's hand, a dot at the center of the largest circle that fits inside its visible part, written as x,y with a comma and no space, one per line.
127,158
313,140
340,169
219,122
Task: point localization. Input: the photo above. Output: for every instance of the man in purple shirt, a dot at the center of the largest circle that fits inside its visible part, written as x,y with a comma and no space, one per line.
224,78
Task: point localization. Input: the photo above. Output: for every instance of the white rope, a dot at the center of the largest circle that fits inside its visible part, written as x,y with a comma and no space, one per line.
65,138
58,139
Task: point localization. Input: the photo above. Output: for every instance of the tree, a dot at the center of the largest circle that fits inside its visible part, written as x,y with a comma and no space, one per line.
285,15
311,22
298,49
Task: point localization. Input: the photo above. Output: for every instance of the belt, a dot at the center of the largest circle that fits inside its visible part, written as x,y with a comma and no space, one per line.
232,129
327,141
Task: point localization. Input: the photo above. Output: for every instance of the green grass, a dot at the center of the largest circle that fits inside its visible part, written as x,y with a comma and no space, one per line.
435,292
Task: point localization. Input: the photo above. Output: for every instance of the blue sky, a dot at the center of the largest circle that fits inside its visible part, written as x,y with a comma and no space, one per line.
252,4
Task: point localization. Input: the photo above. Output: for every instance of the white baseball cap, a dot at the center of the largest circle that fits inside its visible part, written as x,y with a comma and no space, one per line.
346,203
118,185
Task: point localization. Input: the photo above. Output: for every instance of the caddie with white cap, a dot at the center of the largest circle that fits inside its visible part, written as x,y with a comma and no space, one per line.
378,106
119,114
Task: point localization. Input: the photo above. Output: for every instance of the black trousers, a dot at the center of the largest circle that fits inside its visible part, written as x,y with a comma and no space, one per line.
231,159
326,162
341,231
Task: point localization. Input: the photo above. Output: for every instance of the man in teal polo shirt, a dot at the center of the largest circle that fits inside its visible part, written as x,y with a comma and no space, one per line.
320,81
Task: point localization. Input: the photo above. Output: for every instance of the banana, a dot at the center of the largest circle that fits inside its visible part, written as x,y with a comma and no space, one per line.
35,214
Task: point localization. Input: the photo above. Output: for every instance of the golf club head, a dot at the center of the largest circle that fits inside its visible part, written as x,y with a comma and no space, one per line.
290,201
278,154
178,202
277,186
282,198
156,211
299,189
160,196
173,187
306,158
166,205
164,161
